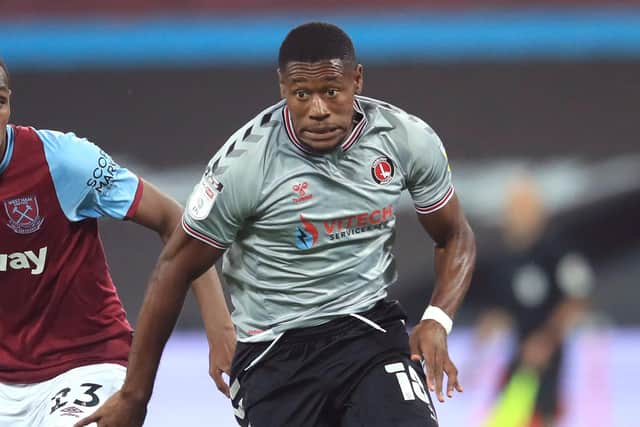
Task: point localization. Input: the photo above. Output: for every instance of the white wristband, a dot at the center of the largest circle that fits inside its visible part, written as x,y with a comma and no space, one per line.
435,313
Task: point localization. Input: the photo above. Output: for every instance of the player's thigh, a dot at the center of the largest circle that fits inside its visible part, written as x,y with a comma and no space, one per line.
78,393
392,394
547,400
298,403
17,404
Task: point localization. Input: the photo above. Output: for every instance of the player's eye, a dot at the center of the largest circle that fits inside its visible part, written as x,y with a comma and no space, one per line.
332,93
301,94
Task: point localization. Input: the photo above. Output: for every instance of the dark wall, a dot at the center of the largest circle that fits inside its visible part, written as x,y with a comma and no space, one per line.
480,110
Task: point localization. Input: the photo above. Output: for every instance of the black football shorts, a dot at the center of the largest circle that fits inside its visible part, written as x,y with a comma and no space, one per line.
344,373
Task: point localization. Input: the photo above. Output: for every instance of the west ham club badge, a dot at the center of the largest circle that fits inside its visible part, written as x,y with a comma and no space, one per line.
24,214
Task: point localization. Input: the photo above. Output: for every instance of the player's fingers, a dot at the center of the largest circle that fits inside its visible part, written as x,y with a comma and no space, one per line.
218,370
414,348
452,378
226,367
416,357
457,385
94,418
220,382
431,378
227,371
438,373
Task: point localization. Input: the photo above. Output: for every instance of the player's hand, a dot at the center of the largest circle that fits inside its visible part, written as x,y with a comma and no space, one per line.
428,342
117,411
536,351
221,351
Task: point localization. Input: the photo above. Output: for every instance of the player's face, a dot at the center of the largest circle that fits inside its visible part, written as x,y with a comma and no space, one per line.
320,98
5,107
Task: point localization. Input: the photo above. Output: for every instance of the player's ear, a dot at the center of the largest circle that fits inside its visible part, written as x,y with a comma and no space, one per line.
283,92
358,79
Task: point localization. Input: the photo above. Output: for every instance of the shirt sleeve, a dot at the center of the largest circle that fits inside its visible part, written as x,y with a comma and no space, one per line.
88,183
223,199
428,171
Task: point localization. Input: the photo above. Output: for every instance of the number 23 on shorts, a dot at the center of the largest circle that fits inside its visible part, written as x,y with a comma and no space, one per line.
87,398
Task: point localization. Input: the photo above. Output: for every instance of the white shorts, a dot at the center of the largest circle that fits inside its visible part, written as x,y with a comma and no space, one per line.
61,401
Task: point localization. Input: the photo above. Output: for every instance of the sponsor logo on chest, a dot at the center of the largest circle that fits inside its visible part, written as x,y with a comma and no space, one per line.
307,233
28,260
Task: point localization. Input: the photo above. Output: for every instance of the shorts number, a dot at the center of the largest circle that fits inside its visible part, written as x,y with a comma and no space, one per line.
411,385
56,398
90,391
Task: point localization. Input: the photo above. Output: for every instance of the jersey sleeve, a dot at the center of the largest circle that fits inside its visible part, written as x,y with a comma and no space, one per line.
224,198
88,183
428,172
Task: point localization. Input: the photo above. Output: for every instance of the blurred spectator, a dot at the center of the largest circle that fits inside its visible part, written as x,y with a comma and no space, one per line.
542,283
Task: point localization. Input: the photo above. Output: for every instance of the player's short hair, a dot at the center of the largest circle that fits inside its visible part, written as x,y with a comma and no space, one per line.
4,68
316,41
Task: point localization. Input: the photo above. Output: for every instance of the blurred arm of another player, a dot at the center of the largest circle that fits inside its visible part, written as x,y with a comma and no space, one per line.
182,260
162,214
454,257
575,279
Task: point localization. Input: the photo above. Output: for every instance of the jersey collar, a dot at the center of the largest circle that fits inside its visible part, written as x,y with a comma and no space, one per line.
357,128
346,144
373,110
4,163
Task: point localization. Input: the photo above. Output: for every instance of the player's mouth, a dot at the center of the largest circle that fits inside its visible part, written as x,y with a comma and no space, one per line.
322,134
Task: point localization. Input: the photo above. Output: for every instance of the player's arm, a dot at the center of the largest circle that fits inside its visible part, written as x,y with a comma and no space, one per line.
454,254
182,260
541,344
454,259
575,280
160,213
428,178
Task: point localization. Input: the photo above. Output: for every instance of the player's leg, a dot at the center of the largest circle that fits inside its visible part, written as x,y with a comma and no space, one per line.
17,404
547,405
392,393
293,406
279,391
78,392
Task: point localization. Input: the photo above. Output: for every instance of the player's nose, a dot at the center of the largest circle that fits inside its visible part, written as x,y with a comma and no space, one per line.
318,110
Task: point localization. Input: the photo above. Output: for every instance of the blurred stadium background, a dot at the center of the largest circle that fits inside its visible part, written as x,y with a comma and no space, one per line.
552,86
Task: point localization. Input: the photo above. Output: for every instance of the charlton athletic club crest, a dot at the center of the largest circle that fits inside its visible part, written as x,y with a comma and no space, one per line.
24,214
382,170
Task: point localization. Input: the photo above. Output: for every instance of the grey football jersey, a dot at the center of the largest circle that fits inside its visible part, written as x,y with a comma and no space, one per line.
309,236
